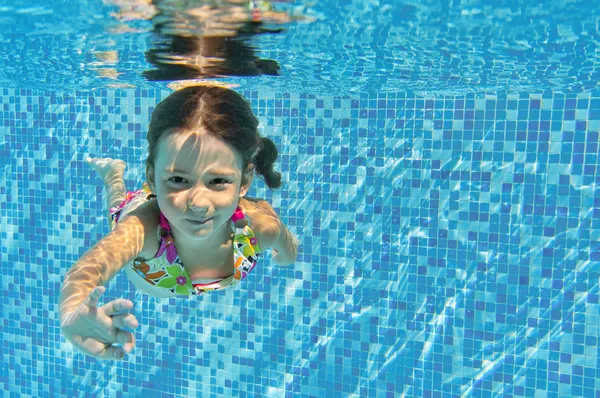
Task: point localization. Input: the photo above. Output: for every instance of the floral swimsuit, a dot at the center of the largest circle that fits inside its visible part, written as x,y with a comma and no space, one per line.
167,273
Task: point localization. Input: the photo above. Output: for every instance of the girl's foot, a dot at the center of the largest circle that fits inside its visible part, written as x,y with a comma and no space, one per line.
108,169
111,171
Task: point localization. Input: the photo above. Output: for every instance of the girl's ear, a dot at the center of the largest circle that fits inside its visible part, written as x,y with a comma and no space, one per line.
246,181
150,178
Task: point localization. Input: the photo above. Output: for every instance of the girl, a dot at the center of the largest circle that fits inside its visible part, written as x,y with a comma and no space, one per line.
190,230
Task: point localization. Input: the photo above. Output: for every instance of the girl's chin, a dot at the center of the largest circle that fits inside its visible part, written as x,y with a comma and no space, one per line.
200,228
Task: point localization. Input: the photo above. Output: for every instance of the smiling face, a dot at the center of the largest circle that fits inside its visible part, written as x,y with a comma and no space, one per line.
193,170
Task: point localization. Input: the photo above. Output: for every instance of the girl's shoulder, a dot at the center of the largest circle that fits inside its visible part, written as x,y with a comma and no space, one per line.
148,212
148,216
264,221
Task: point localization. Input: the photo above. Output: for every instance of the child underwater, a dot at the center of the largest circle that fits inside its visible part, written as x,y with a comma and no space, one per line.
190,230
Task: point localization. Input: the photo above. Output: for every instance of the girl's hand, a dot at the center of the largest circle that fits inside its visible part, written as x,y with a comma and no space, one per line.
96,331
276,257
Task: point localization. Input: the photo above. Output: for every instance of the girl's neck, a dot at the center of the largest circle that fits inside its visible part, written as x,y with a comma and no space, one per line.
211,243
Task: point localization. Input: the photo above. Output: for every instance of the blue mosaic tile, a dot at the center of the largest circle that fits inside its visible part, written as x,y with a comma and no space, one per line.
449,248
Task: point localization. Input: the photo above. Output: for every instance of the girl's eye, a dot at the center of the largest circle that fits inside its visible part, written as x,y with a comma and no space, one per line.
220,181
177,180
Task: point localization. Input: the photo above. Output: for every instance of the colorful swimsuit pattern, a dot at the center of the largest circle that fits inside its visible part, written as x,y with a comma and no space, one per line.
257,8
166,271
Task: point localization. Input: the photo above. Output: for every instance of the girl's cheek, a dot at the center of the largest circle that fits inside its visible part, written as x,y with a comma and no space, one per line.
226,199
174,199
180,201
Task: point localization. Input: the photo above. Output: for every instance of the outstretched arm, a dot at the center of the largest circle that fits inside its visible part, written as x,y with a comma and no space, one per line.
101,263
91,329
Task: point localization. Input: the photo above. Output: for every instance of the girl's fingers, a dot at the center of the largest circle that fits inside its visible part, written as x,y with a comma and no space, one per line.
100,350
117,306
124,321
97,349
94,296
113,353
127,339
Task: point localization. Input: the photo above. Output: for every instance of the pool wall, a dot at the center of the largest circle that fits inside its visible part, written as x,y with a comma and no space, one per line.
449,247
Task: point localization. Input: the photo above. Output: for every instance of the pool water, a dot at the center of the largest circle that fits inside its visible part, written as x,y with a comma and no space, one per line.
440,165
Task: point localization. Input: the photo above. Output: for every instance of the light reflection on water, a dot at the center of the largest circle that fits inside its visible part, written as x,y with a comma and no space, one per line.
430,48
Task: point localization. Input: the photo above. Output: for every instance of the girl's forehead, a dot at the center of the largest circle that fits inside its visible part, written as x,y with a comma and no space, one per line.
192,149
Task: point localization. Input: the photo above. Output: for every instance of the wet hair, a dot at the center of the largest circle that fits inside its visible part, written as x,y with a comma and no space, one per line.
223,114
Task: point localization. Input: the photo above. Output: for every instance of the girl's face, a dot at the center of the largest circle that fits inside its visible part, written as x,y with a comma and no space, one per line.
196,171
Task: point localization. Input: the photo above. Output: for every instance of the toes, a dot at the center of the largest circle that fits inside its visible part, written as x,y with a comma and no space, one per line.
107,167
99,163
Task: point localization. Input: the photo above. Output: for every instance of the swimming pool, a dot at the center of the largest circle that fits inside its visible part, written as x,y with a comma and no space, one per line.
441,170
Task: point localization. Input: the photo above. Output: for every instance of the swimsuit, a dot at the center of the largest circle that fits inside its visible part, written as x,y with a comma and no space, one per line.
257,8
166,272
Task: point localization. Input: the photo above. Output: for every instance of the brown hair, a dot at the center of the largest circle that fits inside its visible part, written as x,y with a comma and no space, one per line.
222,113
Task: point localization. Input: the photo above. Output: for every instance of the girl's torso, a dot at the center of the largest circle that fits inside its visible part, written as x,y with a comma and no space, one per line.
199,262
163,271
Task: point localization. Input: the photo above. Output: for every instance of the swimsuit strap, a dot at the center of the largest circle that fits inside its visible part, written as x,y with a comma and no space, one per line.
164,224
237,215
165,237
239,220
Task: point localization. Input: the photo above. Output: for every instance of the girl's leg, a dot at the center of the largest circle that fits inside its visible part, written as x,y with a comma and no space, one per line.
111,171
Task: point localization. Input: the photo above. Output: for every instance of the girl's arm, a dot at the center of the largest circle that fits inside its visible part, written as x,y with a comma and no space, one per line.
270,231
104,332
104,260
285,247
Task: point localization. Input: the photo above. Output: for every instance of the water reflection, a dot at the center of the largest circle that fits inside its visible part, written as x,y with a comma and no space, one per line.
205,39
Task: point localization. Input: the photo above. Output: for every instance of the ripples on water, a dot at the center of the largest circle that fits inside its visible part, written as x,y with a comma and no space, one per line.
447,47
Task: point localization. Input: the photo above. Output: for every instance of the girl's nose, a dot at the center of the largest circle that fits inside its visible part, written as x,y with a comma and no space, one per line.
198,201
201,209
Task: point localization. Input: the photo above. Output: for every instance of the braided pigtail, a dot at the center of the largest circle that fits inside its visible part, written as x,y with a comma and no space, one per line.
264,160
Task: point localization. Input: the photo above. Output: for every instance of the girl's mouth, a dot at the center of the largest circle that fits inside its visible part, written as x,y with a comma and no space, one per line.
199,222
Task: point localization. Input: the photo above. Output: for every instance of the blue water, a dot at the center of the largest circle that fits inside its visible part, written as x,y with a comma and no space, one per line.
440,167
